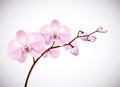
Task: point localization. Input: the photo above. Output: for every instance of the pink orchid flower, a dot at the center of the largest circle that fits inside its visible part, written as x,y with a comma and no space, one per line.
24,44
55,32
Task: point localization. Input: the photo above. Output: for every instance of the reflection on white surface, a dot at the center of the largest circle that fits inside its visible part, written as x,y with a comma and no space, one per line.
97,64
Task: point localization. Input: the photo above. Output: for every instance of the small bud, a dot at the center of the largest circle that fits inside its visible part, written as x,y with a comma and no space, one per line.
100,29
92,38
74,51
103,31
84,38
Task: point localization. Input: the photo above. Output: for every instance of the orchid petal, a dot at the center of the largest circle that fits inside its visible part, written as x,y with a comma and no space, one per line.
54,53
46,53
21,36
46,32
65,34
54,26
37,54
36,41
22,58
15,51
34,53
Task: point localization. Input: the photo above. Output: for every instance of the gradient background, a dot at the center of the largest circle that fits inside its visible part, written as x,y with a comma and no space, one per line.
97,64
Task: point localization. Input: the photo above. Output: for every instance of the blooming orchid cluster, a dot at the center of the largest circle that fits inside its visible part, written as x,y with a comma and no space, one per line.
35,43
46,42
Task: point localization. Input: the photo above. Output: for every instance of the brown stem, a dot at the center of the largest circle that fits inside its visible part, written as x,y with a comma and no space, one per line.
34,63
29,74
52,47
33,60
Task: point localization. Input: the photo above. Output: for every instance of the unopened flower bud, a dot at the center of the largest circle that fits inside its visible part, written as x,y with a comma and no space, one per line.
84,38
100,29
92,38
74,51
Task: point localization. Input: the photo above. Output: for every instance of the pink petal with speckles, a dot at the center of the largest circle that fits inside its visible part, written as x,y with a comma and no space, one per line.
21,36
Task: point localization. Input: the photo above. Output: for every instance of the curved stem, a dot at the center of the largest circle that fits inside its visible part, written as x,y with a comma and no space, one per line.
52,47
33,65
29,74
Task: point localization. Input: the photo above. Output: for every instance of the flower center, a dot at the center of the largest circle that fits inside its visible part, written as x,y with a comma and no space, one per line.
55,36
27,49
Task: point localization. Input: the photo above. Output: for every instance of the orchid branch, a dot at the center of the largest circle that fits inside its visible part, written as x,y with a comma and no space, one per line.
39,44
79,35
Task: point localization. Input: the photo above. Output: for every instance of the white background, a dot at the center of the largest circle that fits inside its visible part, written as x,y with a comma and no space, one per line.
97,64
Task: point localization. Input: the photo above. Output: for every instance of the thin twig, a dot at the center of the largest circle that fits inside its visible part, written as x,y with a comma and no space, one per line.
79,32
53,44
33,60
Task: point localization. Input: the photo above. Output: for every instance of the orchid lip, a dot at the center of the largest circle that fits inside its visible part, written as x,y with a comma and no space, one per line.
27,48
55,36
